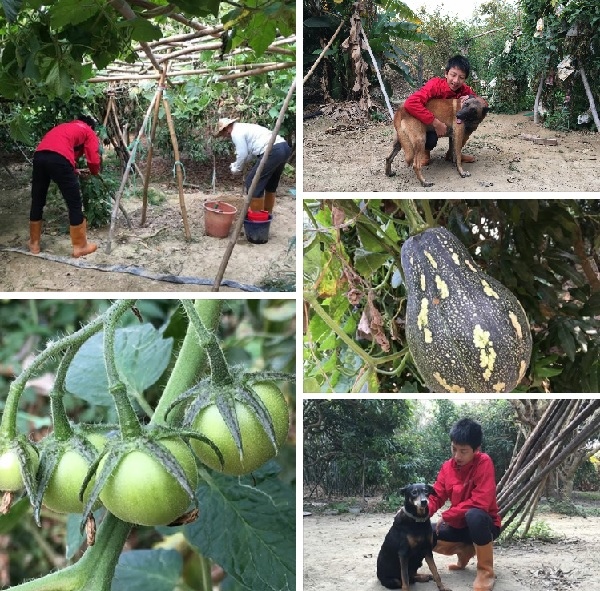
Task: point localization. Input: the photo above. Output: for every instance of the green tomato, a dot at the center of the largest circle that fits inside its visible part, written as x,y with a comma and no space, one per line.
141,490
11,478
62,493
257,446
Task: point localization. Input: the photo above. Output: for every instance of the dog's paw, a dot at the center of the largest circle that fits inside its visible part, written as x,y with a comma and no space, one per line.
427,184
465,173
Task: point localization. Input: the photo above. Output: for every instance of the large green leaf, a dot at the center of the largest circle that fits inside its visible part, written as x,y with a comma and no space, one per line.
72,12
148,570
202,8
248,530
142,355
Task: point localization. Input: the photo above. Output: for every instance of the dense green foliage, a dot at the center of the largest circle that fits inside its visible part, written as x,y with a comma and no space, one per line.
544,251
509,57
372,447
50,50
358,448
256,510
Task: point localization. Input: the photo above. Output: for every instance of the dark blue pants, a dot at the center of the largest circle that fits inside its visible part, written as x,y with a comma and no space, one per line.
50,166
480,530
271,173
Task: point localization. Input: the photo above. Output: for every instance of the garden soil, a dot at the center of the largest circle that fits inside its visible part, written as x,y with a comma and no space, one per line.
340,552
341,154
159,247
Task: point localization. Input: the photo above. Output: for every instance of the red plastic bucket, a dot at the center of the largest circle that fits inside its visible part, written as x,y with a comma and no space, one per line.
258,216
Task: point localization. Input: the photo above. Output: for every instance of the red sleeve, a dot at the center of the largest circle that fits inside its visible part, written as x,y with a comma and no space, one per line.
481,496
91,149
415,103
436,501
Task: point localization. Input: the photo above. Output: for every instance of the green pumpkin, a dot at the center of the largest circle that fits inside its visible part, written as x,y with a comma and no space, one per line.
466,332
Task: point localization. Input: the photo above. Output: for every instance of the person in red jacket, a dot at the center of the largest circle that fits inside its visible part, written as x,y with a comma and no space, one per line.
452,86
55,160
472,522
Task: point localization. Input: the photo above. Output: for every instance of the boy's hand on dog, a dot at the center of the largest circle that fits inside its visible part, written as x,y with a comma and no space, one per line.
438,525
440,128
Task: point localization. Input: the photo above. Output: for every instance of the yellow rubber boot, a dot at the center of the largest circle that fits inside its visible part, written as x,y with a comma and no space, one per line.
35,235
484,581
257,203
81,246
270,200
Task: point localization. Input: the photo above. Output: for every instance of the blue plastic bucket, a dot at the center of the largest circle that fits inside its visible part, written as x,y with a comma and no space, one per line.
257,232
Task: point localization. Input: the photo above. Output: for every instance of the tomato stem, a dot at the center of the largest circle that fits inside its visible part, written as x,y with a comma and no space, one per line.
191,361
60,421
219,368
128,421
8,425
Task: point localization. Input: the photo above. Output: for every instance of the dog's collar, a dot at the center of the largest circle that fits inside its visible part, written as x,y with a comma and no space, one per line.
417,519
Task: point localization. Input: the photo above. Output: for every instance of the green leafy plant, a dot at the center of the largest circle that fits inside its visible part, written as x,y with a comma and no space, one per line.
144,472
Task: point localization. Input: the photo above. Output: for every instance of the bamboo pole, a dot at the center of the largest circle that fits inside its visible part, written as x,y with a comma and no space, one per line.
113,217
161,85
178,167
240,220
253,72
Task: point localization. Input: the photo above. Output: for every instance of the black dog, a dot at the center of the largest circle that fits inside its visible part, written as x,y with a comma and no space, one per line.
409,541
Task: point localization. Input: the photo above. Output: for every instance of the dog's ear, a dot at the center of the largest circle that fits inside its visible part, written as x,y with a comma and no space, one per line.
431,490
485,110
402,491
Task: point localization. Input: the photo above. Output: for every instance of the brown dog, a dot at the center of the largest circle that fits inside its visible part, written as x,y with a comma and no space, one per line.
460,121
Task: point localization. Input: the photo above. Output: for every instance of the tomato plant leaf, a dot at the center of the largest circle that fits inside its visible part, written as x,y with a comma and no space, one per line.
142,355
260,519
140,570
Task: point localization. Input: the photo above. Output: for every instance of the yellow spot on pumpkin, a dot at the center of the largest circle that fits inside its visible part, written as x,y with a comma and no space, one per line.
522,370
422,320
456,259
499,387
444,384
488,290
431,259
442,286
422,282
428,335
487,354
515,322
470,265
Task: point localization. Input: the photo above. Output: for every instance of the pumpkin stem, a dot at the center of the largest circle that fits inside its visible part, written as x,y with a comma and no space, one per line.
415,221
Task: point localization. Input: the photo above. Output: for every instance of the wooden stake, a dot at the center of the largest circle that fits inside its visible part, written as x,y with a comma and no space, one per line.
161,86
115,210
178,167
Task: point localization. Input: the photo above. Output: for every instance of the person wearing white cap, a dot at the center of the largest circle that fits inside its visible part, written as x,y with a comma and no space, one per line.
250,141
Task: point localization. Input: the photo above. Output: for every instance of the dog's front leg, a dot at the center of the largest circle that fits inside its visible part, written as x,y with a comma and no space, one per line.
404,572
458,138
435,573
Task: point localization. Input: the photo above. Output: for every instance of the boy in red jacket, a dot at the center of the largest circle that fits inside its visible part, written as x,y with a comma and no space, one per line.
472,522
452,86
54,160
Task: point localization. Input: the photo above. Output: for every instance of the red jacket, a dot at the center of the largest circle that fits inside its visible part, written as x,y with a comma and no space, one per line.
436,88
72,140
467,487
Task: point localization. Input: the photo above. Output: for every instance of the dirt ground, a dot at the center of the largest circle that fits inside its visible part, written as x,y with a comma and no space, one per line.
159,247
340,552
505,161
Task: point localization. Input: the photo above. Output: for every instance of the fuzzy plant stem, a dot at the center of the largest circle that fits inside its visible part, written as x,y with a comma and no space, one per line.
128,421
96,568
192,360
8,425
60,422
413,217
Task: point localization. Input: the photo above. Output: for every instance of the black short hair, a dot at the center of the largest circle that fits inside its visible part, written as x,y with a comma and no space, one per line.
460,62
89,120
466,432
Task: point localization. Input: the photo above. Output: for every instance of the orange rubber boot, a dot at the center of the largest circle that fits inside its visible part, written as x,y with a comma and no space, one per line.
81,246
35,235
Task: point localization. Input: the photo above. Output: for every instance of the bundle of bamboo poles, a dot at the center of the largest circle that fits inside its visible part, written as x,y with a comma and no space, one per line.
565,426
